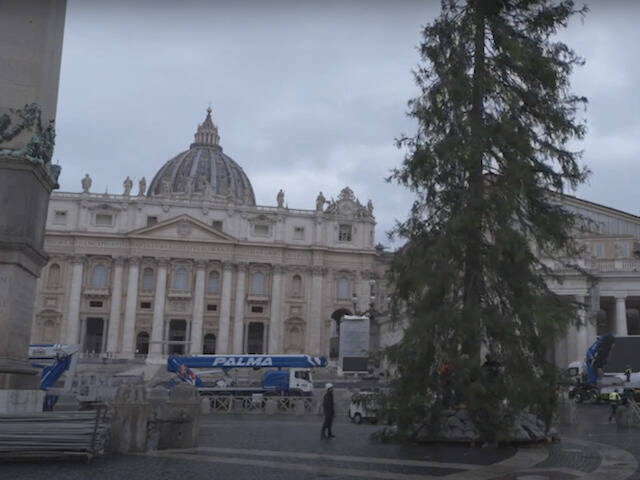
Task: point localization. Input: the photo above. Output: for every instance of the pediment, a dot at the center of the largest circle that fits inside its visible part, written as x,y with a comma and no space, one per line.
183,227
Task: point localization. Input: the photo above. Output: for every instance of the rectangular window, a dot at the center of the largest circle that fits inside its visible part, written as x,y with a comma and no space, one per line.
104,219
217,225
344,233
261,229
257,309
95,304
60,217
298,233
598,250
212,307
151,220
622,250
145,305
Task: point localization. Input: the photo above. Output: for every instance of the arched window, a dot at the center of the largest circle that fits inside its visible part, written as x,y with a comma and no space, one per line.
53,280
147,279
142,343
209,344
99,277
343,289
296,285
257,283
180,279
214,281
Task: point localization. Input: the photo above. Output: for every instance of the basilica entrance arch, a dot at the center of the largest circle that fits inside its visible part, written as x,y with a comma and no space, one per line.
334,338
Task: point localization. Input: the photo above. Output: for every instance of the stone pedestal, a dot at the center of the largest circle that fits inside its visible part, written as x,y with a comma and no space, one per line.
131,412
25,187
180,419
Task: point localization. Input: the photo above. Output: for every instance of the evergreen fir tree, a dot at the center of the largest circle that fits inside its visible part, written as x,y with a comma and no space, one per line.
488,165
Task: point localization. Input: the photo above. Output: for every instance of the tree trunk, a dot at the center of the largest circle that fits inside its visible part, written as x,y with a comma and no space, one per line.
473,274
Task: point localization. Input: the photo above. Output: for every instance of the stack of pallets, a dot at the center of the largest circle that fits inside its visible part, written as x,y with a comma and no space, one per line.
53,434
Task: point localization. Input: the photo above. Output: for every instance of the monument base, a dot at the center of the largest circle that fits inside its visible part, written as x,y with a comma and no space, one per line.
14,402
24,190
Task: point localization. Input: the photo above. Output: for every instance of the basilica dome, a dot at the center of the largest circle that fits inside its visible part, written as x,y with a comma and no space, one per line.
203,171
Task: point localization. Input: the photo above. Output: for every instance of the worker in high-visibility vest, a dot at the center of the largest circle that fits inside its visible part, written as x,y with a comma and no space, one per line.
614,400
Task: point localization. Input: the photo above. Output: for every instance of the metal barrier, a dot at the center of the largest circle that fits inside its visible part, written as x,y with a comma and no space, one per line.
263,404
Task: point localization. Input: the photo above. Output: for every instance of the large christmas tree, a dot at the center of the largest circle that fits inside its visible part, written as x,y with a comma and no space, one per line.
488,165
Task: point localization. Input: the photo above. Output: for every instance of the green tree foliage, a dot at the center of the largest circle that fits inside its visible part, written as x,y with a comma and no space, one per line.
488,164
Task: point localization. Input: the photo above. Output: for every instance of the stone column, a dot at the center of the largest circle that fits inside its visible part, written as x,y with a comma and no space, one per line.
155,348
275,320
314,325
129,332
73,316
198,310
225,310
582,340
364,290
238,316
116,302
621,316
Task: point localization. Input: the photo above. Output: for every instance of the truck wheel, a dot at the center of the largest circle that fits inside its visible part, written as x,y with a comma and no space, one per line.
357,419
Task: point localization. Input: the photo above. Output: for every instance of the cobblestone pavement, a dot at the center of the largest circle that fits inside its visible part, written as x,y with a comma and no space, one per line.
283,448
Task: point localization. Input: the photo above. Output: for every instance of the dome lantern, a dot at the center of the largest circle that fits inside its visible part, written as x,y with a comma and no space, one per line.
207,133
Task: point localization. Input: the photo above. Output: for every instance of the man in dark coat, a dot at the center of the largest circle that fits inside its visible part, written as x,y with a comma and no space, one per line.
329,411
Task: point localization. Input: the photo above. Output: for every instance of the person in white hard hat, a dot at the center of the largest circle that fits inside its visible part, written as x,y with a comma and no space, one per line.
329,410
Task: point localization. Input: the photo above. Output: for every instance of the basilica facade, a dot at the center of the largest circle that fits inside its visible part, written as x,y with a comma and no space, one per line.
190,264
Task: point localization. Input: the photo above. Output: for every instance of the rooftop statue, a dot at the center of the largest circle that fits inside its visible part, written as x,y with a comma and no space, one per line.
127,185
320,201
86,183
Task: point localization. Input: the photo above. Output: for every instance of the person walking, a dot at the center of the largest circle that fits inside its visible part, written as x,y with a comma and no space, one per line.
627,373
614,399
328,410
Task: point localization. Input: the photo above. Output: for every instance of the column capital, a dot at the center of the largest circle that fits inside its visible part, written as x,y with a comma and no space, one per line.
278,268
118,261
201,264
366,274
620,297
163,262
242,266
76,258
318,270
227,266
135,260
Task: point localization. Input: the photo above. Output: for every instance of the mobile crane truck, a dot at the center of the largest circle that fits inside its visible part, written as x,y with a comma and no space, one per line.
292,374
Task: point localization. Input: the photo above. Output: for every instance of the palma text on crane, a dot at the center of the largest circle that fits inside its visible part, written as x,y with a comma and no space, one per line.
243,362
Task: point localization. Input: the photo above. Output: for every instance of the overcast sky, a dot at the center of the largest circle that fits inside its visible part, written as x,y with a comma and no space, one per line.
308,95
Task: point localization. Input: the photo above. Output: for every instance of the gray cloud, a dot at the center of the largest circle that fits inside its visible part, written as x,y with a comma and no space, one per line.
308,96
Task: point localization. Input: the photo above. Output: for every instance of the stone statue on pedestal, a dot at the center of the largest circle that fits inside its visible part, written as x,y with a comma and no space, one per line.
86,183
370,207
127,185
142,186
280,199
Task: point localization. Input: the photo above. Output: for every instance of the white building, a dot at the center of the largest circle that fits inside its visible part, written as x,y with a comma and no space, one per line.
194,261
